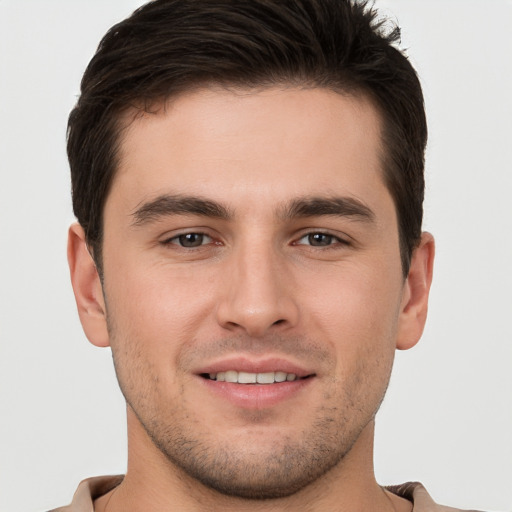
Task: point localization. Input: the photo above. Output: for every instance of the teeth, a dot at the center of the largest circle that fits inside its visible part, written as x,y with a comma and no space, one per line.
246,378
231,376
265,378
252,378
280,376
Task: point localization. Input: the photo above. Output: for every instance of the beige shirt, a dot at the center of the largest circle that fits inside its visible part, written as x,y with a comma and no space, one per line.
93,488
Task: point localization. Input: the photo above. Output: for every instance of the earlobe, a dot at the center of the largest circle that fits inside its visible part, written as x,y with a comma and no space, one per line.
87,288
414,307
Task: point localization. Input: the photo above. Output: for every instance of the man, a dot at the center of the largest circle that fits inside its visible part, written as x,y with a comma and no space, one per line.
248,181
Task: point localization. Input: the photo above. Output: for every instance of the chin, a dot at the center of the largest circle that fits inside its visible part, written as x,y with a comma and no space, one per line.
245,468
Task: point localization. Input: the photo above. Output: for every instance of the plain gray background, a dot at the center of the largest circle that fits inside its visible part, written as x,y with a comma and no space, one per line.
447,419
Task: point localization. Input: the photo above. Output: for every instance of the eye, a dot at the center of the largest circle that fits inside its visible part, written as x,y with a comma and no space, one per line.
190,240
319,240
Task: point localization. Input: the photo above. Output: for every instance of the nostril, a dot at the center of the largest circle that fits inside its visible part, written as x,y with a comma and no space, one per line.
277,322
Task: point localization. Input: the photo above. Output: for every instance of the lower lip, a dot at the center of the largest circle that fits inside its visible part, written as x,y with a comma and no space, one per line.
257,396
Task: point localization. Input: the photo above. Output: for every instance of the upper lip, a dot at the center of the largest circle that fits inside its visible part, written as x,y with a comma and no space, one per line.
251,365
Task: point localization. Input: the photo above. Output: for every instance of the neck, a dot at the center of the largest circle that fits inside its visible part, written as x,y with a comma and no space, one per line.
153,483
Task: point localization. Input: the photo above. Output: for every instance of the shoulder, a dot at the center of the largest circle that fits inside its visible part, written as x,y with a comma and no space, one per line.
423,502
89,490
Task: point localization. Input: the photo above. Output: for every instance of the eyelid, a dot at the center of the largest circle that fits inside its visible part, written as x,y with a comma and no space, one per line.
337,238
173,239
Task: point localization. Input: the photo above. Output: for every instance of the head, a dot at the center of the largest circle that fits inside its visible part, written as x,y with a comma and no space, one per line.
169,47
248,177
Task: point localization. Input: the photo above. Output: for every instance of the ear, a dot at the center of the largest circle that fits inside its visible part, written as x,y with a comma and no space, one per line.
414,306
87,288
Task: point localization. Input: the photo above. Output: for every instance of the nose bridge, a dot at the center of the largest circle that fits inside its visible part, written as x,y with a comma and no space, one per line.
258,294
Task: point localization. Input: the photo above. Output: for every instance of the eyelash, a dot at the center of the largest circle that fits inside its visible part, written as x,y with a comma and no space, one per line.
178,239
333,240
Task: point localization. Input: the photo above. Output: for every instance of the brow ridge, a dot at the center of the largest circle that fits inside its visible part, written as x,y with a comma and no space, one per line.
327,206
177,204
307,206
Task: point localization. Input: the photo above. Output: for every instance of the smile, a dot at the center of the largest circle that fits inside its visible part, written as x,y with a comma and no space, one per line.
240,377
252,384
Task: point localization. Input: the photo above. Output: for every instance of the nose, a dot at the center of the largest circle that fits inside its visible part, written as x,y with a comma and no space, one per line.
258,294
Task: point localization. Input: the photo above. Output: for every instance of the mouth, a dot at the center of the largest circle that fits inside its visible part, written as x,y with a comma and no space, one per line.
242,377
257,384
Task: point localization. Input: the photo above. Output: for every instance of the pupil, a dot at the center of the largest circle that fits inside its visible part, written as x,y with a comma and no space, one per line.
191,240
319,239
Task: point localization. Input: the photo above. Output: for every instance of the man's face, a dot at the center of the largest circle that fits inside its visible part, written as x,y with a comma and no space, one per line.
249,236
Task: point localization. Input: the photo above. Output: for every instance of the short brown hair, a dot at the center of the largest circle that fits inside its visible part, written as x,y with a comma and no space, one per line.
170,46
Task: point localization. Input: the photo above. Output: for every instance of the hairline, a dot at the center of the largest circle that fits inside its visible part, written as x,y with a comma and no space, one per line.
125,114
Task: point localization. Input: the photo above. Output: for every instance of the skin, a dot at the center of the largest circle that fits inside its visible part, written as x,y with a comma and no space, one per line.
320,291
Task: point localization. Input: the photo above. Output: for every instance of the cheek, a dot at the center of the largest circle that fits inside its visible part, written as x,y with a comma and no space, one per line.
357,312
360,322
160,301
155,314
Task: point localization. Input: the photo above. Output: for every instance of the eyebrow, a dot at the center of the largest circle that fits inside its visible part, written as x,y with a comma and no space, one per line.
166,205
327,206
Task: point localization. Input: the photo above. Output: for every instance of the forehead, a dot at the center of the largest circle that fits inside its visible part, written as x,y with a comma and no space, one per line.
250,146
